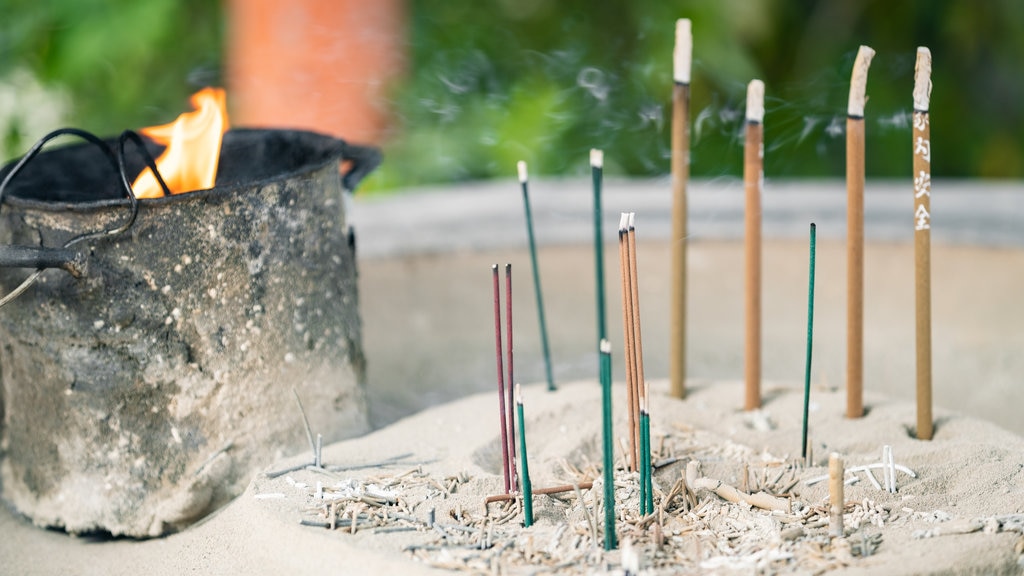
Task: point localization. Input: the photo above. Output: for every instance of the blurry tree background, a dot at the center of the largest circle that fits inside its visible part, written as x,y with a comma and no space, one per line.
491,82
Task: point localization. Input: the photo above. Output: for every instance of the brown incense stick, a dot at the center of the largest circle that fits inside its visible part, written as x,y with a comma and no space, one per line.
513,472
501,381
753,177
547,491
682,58
640,386
628,335
855,235
922,240
638,346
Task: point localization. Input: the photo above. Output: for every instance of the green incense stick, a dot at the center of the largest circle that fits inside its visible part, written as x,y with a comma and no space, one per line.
609,456
597,169
642,465
536,277
525,480
810,339
649,466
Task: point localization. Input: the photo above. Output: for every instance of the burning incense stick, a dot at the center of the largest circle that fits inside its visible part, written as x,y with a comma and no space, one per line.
501,380
527,487
597,171
628,335
608,445
680,179
536,278
835,495
923,240
753,177
855,234
810,340
512,471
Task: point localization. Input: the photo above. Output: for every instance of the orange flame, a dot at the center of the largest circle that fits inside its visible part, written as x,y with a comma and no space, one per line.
193,147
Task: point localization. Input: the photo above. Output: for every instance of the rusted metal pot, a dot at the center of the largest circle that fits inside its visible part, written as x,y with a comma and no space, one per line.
143,394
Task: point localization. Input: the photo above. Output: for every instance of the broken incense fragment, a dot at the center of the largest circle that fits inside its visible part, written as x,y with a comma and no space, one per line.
835,494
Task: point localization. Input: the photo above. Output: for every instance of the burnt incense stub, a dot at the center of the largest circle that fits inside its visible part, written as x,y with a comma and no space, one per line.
146,393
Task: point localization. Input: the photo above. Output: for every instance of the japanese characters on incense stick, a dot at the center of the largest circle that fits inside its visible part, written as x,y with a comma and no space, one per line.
753,179
922,240
855,234
682,58
523,179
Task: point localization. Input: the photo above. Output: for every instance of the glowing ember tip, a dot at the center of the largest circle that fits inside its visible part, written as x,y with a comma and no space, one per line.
193,147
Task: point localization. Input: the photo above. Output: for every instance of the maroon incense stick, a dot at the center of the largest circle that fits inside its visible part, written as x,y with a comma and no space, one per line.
501,378
513,472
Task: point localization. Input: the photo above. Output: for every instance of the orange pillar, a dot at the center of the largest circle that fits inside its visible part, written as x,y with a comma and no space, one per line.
322,65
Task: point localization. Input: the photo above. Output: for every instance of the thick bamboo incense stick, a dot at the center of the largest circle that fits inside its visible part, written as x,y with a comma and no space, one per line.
753,177
855,234
608,445
810,340
922,240
527,486
627,330
512,470
682,58
501,380
597,170
523,180
836,498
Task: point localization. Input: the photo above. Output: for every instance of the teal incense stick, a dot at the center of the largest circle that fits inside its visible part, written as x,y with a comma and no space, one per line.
810,339
523,179
525,479
597,170
608,446
642,465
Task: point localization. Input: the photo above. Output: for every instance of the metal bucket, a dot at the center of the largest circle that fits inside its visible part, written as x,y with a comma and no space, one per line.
143,394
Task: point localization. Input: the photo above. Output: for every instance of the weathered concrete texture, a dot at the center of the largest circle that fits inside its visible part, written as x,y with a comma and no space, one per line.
146,394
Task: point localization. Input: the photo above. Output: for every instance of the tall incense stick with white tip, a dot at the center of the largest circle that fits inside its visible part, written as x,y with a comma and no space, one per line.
597,172
523,181
922,239
753,180
682,59
855,234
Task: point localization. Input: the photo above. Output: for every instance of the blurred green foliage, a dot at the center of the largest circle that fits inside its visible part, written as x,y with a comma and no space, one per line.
124,63
491,82
497,81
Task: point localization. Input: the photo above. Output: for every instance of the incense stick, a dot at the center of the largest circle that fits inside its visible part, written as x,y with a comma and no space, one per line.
627,330
644,451
597,171
501,380
527,487
521,166
634,291
680,179
753,177
835,495
305,422
922,240
855,234
810,340
512,471
608,445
